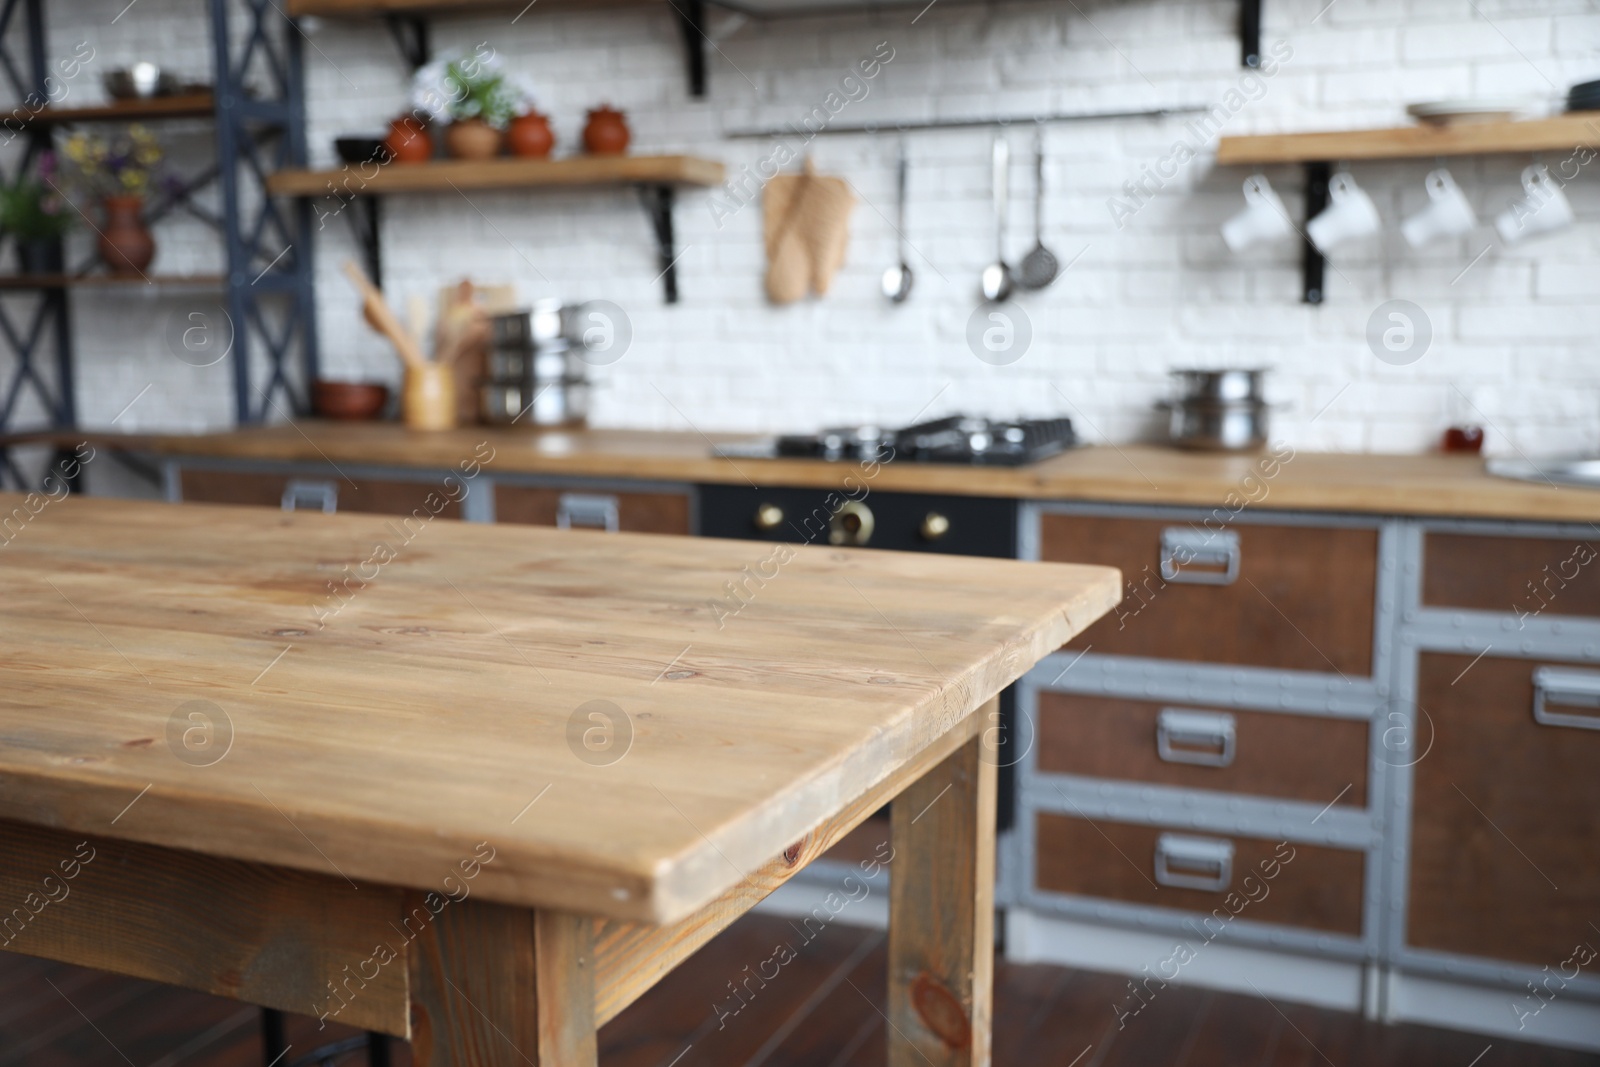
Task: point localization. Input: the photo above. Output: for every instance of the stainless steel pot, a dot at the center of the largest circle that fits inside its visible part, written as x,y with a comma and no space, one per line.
558,403
1219,385
1217,426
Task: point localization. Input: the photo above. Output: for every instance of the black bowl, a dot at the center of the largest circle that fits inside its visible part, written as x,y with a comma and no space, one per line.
358,150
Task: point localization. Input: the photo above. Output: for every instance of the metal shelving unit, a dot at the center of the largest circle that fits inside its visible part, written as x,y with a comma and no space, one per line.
258,110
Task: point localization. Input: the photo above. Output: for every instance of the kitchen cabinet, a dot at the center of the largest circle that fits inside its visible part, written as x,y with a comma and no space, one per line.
633,512
1506,808
376,496
1255,594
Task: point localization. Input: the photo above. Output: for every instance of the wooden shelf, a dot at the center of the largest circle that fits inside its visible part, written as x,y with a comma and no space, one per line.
110,281
188,106
454,175
1559,134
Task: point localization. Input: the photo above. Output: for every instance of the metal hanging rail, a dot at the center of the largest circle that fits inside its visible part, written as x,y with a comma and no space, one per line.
793,130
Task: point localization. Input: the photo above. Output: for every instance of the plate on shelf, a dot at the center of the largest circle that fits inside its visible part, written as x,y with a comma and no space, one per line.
1460,112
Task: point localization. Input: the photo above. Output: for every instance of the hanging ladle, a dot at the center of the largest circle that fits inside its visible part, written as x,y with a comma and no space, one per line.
996,281
898,278
1040,266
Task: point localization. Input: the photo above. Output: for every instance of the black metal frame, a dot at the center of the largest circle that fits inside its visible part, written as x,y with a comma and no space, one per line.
658,201
1250,33
260,117
1312,264
50,318
275,1046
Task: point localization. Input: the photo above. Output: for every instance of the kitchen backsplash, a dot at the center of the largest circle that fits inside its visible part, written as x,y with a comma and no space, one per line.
1134,205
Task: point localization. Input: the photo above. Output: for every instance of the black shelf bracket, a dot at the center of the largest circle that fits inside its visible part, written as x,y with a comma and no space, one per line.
1250,33
658,201
365,218
1312,265
692,21
410,33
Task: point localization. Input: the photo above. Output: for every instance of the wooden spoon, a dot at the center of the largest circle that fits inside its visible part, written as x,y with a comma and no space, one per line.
382,318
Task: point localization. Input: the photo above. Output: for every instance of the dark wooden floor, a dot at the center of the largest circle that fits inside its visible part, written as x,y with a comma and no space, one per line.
823,1009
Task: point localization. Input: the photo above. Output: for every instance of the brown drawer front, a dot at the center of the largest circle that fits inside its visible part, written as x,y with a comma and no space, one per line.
1310,885
1288,757
1301,597
371,496
1511,575
1505,808
634,512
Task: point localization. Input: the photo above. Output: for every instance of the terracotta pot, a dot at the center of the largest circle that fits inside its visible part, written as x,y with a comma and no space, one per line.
530,136
428,397
606,133
125,241
408,140
472,139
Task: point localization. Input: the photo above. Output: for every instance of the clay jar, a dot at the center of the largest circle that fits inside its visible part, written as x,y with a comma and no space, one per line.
530,136
408,141
472,139
606,133
125,241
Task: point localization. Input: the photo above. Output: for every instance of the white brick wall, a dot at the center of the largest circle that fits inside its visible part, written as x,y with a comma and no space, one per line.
1515,333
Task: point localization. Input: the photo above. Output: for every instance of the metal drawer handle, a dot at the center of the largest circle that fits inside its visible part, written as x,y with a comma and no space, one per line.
1204,738
1568,688
587,511
1194,862
300,495
1199,557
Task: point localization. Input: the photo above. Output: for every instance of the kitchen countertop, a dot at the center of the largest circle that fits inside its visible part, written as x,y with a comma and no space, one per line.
377,730
1430,484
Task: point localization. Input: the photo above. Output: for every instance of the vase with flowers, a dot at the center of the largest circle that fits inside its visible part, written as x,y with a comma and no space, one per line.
36,216
475,97
120,171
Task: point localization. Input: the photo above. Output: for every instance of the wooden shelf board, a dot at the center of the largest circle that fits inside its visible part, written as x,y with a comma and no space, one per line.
1558,134
103,281
463,175
188,106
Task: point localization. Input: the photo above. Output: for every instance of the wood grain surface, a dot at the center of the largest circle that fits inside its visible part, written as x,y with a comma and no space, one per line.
445,707
1560,133
453,175
1149,474
941,915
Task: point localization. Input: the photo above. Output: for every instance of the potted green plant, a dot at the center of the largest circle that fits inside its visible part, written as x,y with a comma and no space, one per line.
120,171
36,217
475,97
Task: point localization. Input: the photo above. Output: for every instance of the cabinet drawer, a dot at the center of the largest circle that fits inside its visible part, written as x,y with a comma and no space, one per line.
1259,753
1505,808
1511,575
1311,886
1291,597
632,512
372,496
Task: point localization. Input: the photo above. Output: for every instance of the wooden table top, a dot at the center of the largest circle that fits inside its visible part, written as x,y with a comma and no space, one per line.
442,702
1432,484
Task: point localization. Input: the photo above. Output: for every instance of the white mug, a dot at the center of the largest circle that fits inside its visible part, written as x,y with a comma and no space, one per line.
1541,209
1350,214
1263,219
1448,213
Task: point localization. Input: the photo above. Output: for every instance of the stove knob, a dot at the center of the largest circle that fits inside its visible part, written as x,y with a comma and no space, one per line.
851,524
768,517
934,526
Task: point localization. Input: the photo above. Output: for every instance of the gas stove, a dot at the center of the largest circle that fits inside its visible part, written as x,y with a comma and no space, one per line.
955,439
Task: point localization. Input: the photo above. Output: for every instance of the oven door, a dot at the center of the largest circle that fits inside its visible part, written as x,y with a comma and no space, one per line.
906,522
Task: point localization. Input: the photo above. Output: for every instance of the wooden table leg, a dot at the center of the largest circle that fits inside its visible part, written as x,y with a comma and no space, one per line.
941,914
499,986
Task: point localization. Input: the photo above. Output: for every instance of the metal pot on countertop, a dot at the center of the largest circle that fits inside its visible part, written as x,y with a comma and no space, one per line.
1217,410
537,376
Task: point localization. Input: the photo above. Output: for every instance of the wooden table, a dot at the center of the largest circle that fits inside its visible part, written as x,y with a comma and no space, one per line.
479,787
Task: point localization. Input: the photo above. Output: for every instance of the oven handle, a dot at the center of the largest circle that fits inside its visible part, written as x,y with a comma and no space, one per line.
1216,552
1568,687
1204,862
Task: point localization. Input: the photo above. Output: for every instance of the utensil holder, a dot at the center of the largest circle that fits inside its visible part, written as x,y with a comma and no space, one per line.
428,399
